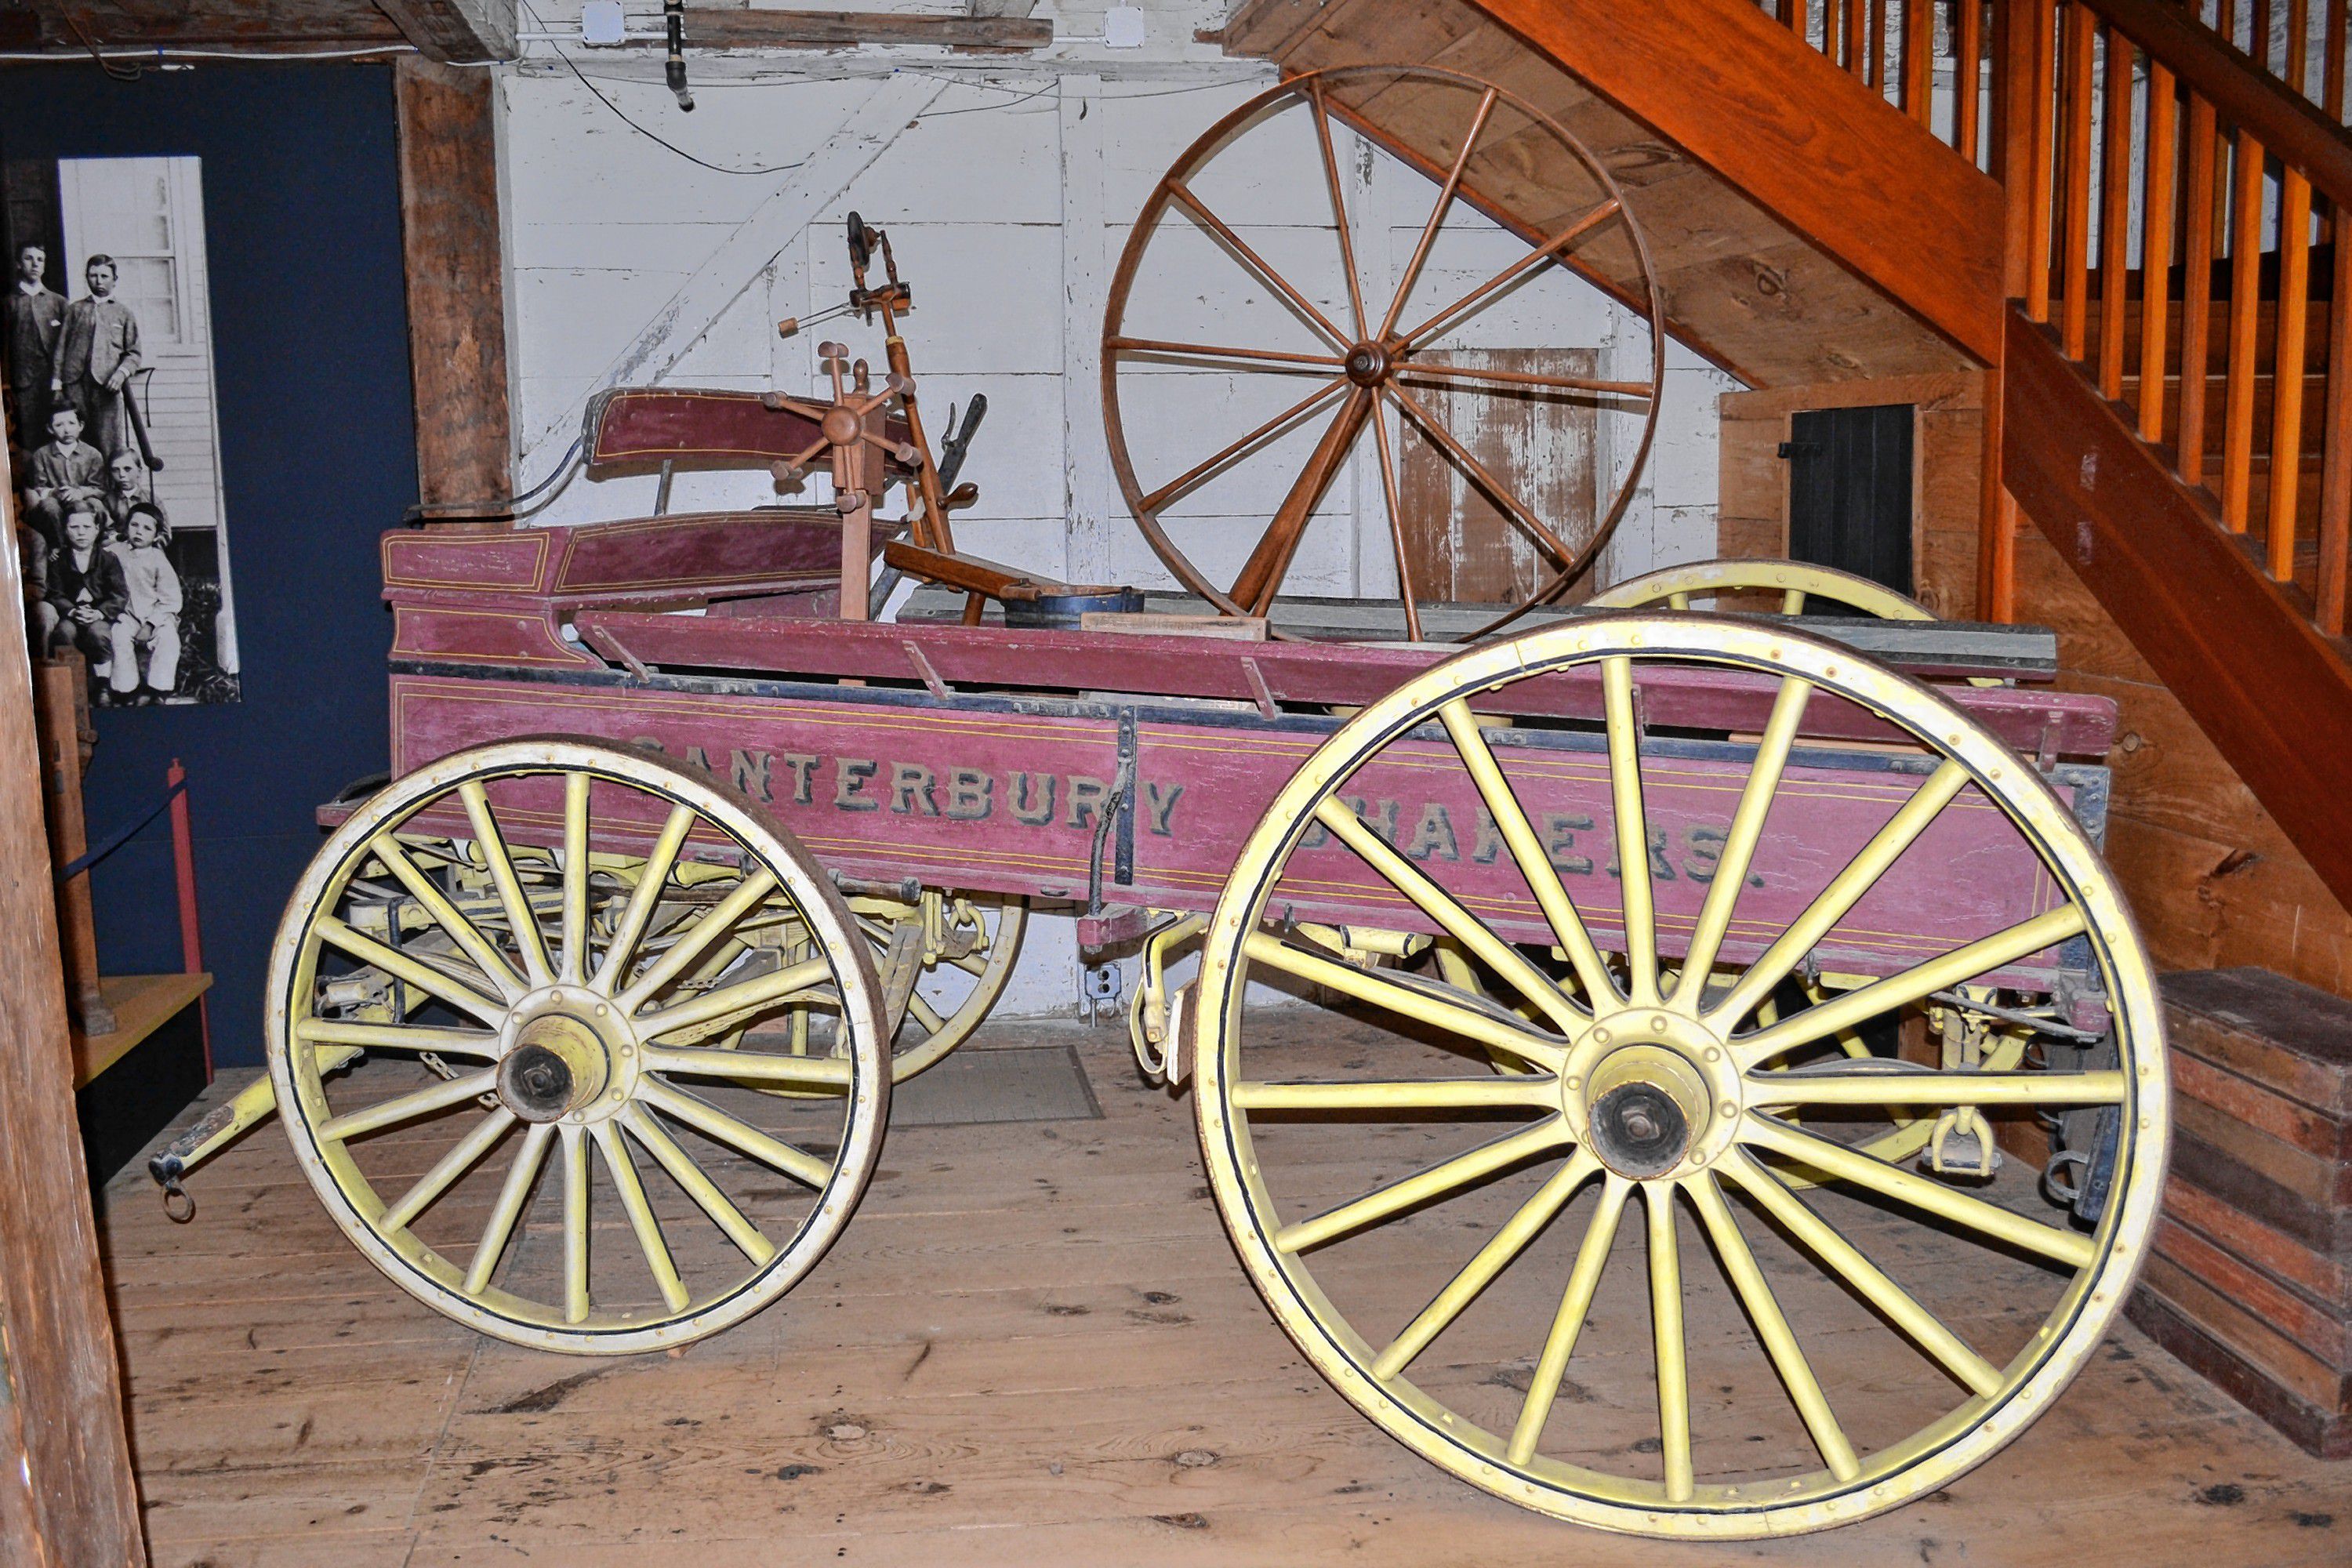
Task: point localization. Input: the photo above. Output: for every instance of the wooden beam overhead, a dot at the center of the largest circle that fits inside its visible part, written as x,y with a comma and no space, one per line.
736,27
461,32
237,24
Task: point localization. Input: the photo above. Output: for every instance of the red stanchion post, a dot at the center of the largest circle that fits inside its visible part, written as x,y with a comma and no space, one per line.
183,870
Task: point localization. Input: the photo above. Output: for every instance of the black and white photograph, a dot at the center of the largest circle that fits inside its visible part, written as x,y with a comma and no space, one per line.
114,427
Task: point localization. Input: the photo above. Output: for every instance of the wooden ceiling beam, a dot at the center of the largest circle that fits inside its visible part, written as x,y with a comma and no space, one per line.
204,23
460,32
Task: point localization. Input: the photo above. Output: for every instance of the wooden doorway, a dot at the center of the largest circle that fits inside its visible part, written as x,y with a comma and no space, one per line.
1850,483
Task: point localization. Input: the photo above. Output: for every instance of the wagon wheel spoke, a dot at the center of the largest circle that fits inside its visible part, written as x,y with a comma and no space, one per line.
1501,493
1846,1260
425,978
1257,263
401,1108
513,1194
577,869
1568,1323
632,1193
524,924
697,1185
1437,1181
1772,1327
2069,1247
2096,1088
448,917
630,929
462,1158
743,1138
1667,1338
1442,907
742,998
474,1043
1490,1260
1338,204
1403,1096
926,1014
720,920
1262,574
1176,349
1632,832
1863,872
831,1075
1583,224
1199,471
1913,985
1489,1026
576,1304
1396,524
1437,213
1739,841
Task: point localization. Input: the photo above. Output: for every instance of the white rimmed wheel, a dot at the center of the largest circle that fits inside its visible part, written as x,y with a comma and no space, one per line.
1593,1288
1799,584
487,1042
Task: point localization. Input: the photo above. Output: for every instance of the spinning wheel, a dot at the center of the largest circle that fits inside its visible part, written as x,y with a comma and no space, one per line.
561,1001
1558,1367
1378,361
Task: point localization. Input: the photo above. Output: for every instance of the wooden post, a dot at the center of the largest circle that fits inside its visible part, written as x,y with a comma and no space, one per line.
457,285
66,1495
61,708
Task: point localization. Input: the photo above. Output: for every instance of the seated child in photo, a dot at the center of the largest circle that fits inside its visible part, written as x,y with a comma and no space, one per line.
127,486
149,622
86,590
67,473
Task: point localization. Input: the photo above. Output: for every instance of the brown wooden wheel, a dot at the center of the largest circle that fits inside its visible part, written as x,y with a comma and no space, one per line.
1314,345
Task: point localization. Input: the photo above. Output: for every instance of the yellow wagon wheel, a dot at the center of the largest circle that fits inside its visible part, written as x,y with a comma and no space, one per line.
1556,1364
1798,582
541,1061
943,962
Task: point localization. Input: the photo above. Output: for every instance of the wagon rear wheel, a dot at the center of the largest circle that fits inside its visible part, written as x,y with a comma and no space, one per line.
491,1016
942,961
1798,585
1626,1313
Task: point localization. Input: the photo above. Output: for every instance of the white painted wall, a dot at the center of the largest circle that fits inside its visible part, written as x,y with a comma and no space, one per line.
1008,197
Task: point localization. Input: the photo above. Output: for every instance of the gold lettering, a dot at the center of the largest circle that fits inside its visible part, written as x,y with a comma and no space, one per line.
1086,797
1162,806
849,777
1560,832
1033,798
910,790
1434,835
969,790
803,767
750,771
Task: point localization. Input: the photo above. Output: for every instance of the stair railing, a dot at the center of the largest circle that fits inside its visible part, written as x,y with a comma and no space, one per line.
2300,43
1893,46
2157,153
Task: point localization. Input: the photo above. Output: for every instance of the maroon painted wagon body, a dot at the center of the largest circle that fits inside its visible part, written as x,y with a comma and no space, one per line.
1114,770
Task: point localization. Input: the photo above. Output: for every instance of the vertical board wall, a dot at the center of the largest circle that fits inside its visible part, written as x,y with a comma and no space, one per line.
302,230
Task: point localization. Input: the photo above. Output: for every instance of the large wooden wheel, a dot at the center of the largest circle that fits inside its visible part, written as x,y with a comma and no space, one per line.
942,961
1326,346
1584,1359
539,1016
1799,584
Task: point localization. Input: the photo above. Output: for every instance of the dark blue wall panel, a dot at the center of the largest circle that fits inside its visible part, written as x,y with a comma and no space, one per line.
317,454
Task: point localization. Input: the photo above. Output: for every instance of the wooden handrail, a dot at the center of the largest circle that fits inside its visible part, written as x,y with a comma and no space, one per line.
2240,87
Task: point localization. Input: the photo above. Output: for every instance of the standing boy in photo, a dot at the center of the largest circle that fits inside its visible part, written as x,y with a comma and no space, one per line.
36,315
149,622
98,353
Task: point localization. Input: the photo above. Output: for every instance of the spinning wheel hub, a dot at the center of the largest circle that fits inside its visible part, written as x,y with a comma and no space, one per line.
1368,363
564,1060
842,426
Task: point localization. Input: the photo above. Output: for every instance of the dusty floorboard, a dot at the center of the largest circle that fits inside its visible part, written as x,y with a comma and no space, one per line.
1033,1346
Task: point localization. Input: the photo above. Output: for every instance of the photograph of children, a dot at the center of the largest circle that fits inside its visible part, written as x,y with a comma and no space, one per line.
113,426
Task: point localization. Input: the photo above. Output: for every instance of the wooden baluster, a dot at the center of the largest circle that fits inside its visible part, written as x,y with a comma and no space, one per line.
2335,462
2287,371
2045,116
2298,22
2258,34
2074,251
1787,13
2199,195
2115,216
1877,77
2245,308
1918,55
1967,76
1857,37
2156,252
2332,69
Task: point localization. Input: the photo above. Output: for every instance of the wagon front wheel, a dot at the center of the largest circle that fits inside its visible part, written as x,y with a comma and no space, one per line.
494,1020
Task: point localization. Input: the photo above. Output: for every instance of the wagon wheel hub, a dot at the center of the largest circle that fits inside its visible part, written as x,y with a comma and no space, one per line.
1653,1093
1371,364
570,1057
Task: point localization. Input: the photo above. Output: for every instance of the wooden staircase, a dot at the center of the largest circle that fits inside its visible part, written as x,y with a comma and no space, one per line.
1819,216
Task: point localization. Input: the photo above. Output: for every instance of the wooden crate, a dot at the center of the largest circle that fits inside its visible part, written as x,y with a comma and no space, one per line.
2250,1280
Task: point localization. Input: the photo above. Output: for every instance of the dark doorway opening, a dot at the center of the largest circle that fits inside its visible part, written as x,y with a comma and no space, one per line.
1850,490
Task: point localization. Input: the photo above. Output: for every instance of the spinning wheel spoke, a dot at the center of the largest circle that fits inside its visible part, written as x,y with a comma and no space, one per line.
1772,1329
699,1186
744,996
520,920
1442,907
1212,350
828,1074
1199,471
504,1214
1501,494
448,917
401,1108
1844,1259
1592,218
707,1118
1632,832
1257,263
399,1038
1913,985
1438,1180
577,869
463,1157
1575,1304
1338,204
1396,525
425,978
1626,389
2070,1247
722,919
1262,573
1490,1260
622,951
1486,102
648,1231
1425,1003
1739,841
1666,1326
1869,863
